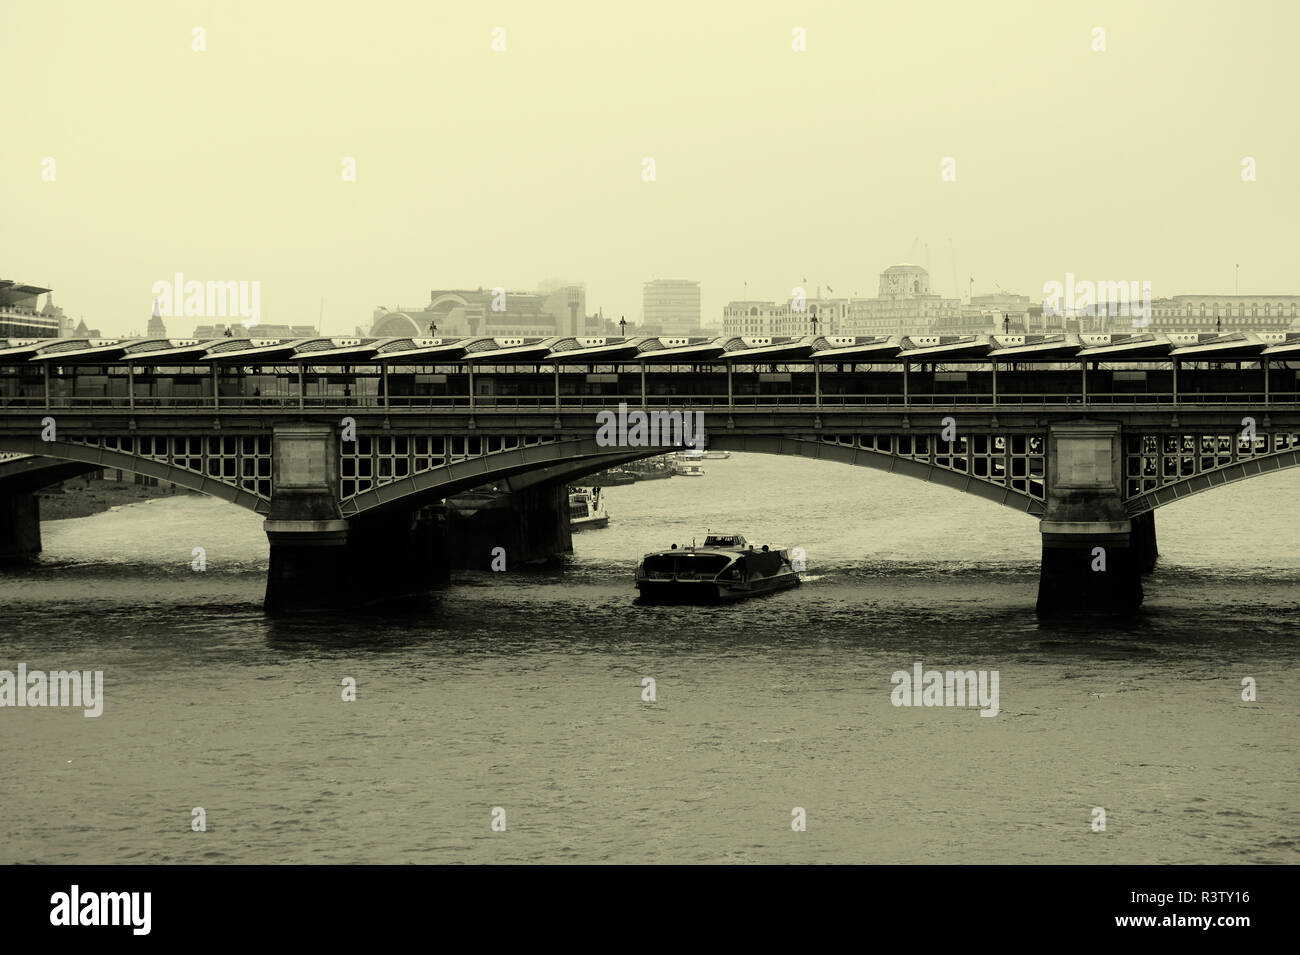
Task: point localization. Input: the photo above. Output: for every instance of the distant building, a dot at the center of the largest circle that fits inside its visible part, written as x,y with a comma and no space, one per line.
904,306
673,305
1226,313
261,330
754,319
21,318
156,327
1000,313
490,313
82,331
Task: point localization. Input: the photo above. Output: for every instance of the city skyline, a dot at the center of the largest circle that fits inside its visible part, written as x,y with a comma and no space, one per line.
1029,201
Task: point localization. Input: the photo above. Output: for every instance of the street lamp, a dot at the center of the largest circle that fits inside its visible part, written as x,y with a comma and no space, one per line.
1006,324
813,320
433,328
622,326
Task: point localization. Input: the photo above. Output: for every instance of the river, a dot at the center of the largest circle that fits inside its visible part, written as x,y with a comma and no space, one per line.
524,691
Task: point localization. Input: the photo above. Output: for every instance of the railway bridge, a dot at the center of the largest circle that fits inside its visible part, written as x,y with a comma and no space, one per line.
342,445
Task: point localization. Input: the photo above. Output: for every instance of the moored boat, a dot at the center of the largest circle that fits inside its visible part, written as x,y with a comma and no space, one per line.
585,509
726,568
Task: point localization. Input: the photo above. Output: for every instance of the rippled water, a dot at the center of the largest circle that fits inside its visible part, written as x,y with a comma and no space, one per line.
523,691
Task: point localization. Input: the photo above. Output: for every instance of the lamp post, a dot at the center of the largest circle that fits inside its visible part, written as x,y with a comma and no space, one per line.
622,326
433,329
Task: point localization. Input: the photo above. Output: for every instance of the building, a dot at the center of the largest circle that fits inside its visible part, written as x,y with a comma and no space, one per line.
20,316
1225,313
261,330
491,313
998,313
672,305
156,327
755,319
904,306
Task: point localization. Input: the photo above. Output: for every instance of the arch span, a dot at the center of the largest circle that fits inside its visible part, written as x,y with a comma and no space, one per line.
573,457
99,457
1199,483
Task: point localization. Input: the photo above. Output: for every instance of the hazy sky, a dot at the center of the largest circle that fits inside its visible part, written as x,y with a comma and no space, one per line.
489,168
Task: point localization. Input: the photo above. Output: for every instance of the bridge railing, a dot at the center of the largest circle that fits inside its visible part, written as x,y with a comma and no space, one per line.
291,403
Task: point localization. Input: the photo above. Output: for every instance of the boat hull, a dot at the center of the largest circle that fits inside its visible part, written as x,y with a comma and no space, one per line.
711,591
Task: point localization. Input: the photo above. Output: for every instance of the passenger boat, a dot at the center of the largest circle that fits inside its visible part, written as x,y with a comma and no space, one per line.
687,463
716,455
585,509
726,568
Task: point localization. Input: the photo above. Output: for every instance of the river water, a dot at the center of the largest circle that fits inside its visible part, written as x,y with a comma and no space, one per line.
524,691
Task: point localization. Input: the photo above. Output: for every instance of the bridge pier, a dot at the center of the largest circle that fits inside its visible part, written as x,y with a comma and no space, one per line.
1143,542
322,561
20,526
530,525
1090,564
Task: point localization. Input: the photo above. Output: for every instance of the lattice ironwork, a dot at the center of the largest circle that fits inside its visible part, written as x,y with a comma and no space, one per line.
371,461
1154,461
1015,461
240,461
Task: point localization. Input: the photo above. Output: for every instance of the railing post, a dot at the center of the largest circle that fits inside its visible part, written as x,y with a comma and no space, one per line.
383,371
1085,382
731,401
1264,362
130,387
469,365
46,366
1175,381
643,398
302,399
906,399
817,382
216,396
557,387
995,383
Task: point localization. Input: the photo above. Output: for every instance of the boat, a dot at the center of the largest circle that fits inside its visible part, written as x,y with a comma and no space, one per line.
687,463
716,455
726,568
585,509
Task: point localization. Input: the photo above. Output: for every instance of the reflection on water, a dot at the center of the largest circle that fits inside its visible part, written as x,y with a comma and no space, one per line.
523,690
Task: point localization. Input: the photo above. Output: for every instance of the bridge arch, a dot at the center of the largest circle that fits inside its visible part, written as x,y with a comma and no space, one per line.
1199,483
572,458
94,456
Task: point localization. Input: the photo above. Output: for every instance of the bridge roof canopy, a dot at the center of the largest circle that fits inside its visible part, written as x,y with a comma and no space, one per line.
584,351
872,348
950,347
412,350
696,350
1288,345
1146,345
509,349
252,350
1035,347
14,351
791,349
339,351
82,351
1233,345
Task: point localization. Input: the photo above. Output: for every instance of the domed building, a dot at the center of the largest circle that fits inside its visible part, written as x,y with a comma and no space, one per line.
904,281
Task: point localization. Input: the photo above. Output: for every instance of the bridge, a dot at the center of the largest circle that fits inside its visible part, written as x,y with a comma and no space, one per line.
344,445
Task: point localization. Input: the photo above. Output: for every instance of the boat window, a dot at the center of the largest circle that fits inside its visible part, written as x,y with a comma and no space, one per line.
686,564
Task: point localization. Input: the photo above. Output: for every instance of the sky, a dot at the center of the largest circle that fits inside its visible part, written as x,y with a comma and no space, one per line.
772,166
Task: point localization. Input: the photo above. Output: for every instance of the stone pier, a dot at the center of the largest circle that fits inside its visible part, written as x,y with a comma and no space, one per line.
322,561
20,526
1090,565
531,525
